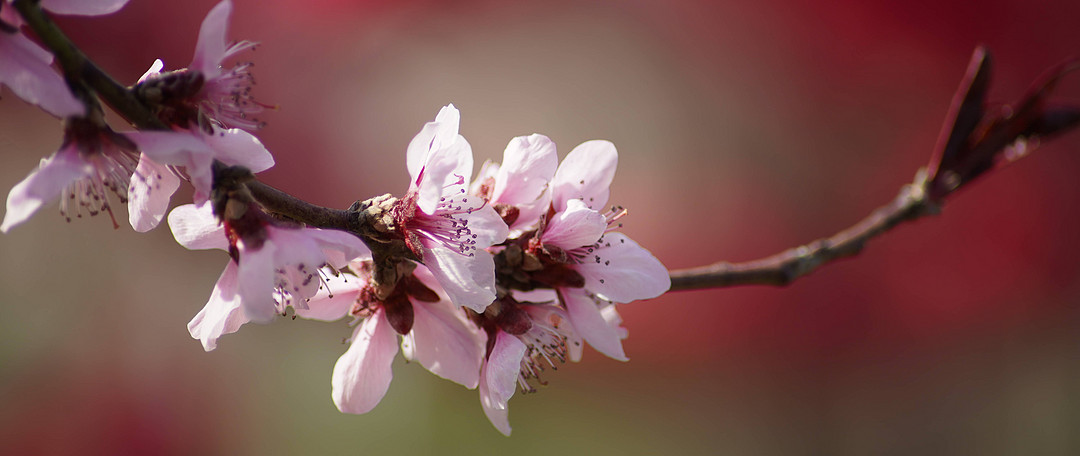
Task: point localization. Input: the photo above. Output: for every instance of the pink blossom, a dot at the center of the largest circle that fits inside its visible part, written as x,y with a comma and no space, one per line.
205,93
272,266
445,227
194,152
518,189
433,332
92,162
609,266
83,7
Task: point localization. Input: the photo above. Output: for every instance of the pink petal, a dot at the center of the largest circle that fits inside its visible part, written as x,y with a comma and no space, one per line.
585,174
152,186
446,343
238,147
25,69
446,174
210,49
499,379
154,69
574,227
487,226
488,170
83,7
468,281
257,282
529,163
339,247
362,375
178,148
590,323
222,314
45,184
624,271
433,136
333,301
196,228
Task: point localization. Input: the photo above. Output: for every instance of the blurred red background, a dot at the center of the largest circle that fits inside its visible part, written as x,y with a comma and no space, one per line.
744,128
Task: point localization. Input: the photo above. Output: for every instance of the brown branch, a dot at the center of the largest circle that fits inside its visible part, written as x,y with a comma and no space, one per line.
783,268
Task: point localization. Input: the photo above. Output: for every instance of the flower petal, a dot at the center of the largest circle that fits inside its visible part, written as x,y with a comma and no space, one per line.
445,343
210,48
362,375
529,163
623,271
257,282
585,174
196,228
333,301
435,135
589,322
25,69
469,281
576,226
152,185
339,247
222,314
446,174
499,379
83,7
45,184
236,147
154,69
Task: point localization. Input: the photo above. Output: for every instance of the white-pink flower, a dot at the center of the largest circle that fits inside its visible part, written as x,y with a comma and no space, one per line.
272,266
193,151
92,162
612,267
205,93
518,188
433,332
447,228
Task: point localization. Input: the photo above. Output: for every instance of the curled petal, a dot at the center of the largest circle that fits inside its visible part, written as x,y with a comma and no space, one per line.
432,137
623,271
499,379
237,147
362,375
339,247
210,49
196,228
574,227
589,322
529,163
585,174
25,69
45,184
154,69
222,313
152,186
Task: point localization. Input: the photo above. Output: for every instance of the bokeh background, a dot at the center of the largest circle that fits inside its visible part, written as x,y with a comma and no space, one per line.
744,128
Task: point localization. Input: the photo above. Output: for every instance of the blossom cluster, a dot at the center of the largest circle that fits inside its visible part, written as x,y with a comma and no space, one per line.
486,282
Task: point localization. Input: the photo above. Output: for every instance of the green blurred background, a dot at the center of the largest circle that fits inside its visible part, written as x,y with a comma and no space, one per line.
743,128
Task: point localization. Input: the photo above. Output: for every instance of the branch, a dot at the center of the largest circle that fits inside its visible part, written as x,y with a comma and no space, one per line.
973,141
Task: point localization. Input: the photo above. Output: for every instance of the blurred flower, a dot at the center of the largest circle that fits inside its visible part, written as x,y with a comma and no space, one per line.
272,265
446,228
434,332
91,162
205,94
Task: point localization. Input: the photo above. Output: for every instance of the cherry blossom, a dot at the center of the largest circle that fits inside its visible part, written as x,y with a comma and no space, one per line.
605,267
445,227
272,266
433,332
92,161
206,94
